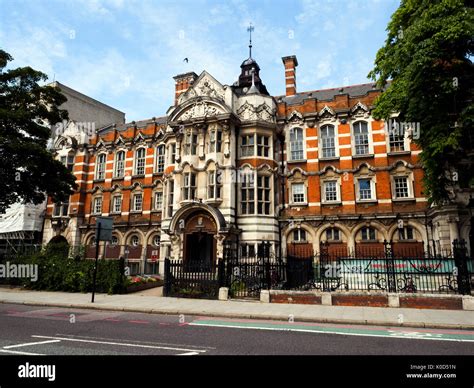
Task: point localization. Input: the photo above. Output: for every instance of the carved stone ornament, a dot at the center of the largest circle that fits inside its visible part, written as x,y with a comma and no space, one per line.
262,112
200,109
360,110
295,117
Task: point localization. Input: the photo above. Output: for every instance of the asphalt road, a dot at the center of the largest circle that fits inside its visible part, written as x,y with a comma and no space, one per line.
31,330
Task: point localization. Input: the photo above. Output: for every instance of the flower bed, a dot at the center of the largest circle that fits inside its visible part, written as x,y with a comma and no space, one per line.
140,283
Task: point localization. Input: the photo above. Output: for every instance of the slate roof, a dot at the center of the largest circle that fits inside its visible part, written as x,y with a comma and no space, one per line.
329,94
139,124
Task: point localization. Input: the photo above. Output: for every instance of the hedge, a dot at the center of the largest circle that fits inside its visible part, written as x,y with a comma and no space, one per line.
58,271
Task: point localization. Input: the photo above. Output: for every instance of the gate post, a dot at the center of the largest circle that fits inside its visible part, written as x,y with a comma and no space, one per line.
390,265
460,260
221,278
323,263
167,284
267,275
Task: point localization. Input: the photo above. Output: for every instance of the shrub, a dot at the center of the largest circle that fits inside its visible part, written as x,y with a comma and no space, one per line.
58,271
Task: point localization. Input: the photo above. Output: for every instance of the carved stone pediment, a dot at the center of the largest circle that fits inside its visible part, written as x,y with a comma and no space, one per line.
205,86
262,112
327,113
200,109
360,110
295,117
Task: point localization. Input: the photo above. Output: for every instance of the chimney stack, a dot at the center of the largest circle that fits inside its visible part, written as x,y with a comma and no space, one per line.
183,82
290,63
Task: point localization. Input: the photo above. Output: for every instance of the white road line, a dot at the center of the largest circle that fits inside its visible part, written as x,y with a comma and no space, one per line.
328,332
23,353
30,344
120,344
136,341
188,354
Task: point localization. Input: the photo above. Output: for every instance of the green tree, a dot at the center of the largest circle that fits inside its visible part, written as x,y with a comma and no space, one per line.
27,111
427,56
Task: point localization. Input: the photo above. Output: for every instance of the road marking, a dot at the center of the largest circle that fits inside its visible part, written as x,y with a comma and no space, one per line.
120,344
141,322
137,341
362,332
22,353
30,344
188,354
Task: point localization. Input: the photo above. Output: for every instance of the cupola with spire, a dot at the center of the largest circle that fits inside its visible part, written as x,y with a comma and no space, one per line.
249,79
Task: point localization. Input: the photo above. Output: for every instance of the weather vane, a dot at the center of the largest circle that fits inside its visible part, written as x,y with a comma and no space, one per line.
250,28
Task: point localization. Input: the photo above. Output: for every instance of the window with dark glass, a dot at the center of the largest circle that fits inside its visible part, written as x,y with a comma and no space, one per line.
215,140
119,170
189,186
247,145
170,198
368,233
160,159
296,144
100,169
361,138
332,234
213,185
263,146
328,141
190,143
299,235
140,155
263,194
247,194
365,189
401,187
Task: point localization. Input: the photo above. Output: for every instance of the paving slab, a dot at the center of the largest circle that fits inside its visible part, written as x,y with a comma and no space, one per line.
244,309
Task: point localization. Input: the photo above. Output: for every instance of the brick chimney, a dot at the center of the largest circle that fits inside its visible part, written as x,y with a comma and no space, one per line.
290,63
183,82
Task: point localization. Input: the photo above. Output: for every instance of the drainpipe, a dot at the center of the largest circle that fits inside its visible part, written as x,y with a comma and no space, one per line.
282,200
236,188
427,234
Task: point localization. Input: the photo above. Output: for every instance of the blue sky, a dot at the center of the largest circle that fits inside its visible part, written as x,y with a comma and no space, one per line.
125,52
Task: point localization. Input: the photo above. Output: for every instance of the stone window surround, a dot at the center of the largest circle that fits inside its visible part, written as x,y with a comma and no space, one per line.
406,173
256,133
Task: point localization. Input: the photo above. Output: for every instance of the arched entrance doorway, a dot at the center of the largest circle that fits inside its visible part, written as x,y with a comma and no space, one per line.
199,248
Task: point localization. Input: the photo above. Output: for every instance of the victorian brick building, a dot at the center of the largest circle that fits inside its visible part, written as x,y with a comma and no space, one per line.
233,164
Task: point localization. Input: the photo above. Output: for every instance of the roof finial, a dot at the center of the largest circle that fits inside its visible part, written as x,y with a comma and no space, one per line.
250,28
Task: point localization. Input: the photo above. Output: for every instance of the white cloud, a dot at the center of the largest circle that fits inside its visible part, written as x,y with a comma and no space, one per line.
40,50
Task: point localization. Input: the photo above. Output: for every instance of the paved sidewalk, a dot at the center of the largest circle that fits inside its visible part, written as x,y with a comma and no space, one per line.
246,309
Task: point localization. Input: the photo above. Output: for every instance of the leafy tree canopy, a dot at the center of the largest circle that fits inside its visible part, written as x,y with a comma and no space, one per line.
28,171
427,56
